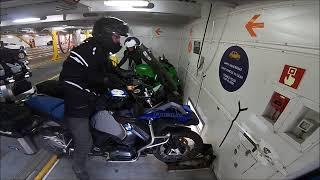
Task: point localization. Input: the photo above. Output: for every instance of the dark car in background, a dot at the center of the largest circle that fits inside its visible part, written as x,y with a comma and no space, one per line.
49,43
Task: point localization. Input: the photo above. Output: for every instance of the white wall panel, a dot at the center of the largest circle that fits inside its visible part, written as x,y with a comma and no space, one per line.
296,25
232,161
141,30
258,171
184,59
191,89
222,9
214,118
208,53
167,46
218,28
198,27
290,36
306,163
42,40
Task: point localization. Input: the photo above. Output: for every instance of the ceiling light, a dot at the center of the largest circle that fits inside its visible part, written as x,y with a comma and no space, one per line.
26,20
126,3
70,27
58,28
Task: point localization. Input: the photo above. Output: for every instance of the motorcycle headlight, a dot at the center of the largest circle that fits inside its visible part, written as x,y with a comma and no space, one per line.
118,93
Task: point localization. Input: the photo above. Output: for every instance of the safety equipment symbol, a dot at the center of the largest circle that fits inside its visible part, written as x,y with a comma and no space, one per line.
291,76
289,80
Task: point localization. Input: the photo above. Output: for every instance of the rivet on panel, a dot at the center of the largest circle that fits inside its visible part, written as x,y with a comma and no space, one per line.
235,165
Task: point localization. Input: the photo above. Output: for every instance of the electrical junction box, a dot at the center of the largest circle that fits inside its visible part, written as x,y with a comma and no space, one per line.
275,107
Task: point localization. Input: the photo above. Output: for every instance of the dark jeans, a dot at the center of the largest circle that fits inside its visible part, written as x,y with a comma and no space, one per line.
82,141
78,109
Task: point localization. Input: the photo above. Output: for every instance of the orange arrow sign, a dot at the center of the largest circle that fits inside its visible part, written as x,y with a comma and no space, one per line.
158,31
251,24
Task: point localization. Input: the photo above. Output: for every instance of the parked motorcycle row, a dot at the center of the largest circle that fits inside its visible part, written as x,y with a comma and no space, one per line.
147,120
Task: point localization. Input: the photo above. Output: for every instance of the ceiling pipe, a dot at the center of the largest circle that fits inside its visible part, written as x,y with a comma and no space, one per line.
71,2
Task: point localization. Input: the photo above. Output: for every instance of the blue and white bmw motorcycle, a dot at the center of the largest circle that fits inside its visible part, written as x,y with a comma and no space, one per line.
122,135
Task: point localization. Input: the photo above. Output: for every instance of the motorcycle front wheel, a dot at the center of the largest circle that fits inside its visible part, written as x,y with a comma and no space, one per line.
182,146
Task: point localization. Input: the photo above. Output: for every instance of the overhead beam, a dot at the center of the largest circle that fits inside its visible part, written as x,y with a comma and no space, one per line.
178,8
40,9
167,9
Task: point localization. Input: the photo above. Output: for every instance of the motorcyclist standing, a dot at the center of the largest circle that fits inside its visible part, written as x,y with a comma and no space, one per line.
132,52
86,75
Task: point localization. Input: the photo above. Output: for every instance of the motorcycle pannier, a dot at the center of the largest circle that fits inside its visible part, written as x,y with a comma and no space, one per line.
14,118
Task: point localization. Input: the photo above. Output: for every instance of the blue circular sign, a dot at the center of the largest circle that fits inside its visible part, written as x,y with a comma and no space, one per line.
233,69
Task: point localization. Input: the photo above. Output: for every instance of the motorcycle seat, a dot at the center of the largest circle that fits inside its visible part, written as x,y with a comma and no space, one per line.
47,105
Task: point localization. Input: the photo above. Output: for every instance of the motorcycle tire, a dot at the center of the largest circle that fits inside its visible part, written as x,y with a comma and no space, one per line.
191,154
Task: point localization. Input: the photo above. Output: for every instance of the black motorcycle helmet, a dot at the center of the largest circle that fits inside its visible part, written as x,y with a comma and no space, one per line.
107,27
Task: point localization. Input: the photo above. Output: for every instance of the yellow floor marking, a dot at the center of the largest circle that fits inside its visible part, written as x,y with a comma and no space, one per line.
46,168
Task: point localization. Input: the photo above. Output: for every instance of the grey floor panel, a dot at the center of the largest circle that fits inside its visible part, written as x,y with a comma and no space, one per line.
7,145
146,168
12,163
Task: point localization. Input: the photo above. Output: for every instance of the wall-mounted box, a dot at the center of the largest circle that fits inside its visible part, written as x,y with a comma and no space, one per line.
301,128
275,107
305,124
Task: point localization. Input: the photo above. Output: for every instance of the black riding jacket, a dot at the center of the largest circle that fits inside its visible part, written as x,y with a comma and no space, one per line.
84,75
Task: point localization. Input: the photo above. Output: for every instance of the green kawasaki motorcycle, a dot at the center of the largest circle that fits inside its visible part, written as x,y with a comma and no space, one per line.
149,76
